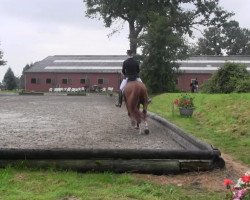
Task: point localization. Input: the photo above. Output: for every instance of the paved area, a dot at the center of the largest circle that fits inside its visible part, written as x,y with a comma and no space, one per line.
76,122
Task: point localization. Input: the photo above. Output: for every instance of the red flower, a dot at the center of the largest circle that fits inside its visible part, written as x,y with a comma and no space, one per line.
245,179
176,102
228,182
186,102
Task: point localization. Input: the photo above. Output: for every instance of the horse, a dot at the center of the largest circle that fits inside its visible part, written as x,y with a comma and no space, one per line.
135,94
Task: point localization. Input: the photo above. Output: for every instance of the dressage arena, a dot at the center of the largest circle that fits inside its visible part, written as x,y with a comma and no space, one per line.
89,133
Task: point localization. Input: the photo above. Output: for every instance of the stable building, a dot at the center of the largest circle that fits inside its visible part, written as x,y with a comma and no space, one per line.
65,71
77,71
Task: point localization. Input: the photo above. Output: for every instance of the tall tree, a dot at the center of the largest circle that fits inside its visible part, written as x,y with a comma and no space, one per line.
2,62
136,14
211,43
161,48
9,80
237,39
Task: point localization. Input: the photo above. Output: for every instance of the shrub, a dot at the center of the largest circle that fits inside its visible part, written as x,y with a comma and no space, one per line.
210,86
229,78
243,85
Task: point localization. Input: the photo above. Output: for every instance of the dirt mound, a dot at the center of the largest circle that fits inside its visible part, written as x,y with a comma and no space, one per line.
210,180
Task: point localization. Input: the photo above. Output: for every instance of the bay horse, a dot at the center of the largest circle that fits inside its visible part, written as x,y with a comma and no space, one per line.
135,94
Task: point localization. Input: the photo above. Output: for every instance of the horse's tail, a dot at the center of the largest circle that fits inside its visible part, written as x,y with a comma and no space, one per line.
132,105
134,99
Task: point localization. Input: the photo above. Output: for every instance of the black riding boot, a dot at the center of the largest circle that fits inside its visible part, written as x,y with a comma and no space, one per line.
119,103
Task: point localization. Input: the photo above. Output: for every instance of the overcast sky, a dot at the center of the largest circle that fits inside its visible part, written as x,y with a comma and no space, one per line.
31,30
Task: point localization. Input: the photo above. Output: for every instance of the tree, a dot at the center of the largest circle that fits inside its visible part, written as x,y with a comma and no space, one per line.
9,80
2,62
161,48
136,13
237,40
229,39
22,81
211,44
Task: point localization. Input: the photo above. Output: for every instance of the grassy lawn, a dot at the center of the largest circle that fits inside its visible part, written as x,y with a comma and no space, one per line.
24,184
221,120
8,91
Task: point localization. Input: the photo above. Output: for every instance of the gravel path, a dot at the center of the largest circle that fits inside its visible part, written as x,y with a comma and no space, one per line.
76,122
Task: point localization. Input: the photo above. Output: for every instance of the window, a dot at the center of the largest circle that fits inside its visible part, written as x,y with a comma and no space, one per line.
64,81
48,81
105,81
100,81
82,80
33,80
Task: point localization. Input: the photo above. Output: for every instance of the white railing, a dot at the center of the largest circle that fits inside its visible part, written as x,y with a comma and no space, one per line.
69,89
80,89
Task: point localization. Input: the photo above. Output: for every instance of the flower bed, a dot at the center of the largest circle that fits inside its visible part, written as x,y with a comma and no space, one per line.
241,190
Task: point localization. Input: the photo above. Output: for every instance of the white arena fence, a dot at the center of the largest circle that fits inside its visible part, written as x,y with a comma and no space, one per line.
80,89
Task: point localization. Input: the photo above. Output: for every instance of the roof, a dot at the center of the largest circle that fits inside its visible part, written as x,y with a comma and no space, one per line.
80,63
113,63
210,64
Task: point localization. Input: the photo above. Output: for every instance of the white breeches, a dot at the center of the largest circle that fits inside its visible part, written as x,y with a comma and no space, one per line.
124,82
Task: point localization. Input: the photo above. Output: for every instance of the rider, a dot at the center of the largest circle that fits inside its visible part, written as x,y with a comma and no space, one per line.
130,70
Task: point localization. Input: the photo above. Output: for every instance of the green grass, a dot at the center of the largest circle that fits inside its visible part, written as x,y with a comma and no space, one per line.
222,120
9,91
24,184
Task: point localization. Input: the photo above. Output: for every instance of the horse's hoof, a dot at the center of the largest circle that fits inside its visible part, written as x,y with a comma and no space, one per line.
145,132
136,127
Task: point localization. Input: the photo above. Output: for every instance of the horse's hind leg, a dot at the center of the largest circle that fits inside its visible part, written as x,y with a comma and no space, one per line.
133,121
144,125
144,116
146,130
138,120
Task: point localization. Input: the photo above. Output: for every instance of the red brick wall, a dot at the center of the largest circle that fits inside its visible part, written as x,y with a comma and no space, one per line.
184,80
113,80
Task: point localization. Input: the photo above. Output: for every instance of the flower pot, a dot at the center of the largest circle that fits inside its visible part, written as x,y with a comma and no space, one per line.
186,111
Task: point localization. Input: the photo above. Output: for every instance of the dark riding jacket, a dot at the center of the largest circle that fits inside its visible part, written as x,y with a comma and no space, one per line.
130,69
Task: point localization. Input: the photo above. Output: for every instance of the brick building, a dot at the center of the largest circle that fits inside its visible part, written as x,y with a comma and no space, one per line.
75,71
65,71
